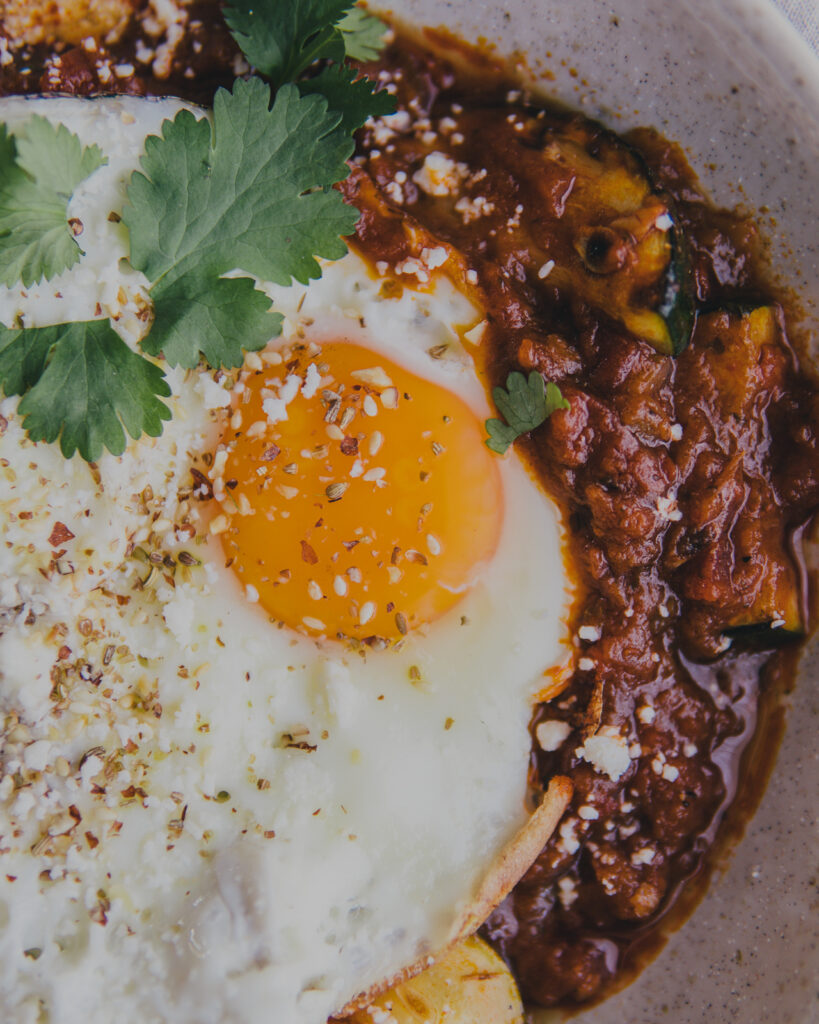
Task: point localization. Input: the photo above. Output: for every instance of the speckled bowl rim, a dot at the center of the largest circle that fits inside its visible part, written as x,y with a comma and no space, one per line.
736,85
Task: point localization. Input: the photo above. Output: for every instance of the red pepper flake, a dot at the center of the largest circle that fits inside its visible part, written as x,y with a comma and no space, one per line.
270,834
92,840
270,453
308,554
133,791
349,446
59,535
99,913
64,653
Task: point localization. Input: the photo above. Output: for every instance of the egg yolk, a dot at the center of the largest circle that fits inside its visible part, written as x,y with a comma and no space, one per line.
360,499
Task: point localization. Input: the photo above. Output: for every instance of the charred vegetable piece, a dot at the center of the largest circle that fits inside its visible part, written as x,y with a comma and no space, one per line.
746,573
630,254
469,985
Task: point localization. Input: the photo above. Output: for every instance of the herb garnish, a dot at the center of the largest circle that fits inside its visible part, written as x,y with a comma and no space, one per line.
40,166
252,192
525,403
80,382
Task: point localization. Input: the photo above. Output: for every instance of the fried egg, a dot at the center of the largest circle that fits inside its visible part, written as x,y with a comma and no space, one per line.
266,679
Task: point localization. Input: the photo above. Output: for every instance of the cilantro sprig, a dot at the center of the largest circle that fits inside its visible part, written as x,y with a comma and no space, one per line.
81,383
282,38
40,167
252,193
249,195
524,403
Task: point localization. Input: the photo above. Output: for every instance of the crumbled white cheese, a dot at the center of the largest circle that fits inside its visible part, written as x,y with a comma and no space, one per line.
607,753
440,175
566,891
472,209
552,733
646,714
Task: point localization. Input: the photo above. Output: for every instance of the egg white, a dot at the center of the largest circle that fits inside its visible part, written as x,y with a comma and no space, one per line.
233,873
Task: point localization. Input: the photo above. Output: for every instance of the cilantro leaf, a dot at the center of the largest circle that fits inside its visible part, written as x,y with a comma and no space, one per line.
525,403
363,34
354,98
81,382
252,193
40,166
281,38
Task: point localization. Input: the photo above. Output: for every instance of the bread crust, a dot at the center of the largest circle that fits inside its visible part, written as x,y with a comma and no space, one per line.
509,866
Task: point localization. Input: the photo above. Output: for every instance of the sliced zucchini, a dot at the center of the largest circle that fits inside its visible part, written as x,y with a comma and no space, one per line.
738,361
732,343
632,257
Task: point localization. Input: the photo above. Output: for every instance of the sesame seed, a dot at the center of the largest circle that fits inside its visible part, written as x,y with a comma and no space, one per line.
370,408
340,586
251,593
335,491
374,475
546,269
314,590
375,442
312,623
433,544
367,612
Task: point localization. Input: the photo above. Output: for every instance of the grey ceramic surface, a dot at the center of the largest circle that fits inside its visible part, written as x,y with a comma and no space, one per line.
734,83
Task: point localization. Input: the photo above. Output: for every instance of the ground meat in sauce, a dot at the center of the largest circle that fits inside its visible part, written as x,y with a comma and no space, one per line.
685,481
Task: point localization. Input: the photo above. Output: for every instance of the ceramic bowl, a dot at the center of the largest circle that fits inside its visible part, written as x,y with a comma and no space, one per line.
734,83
